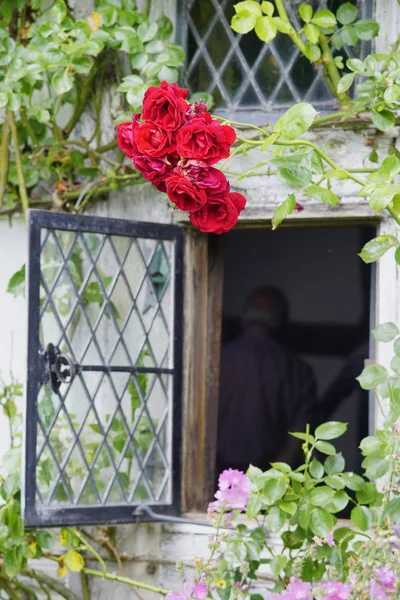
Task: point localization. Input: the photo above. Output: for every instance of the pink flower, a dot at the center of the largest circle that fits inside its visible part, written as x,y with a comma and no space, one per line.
296,590
336,590
234,489
386,577
298,207
183,595
155,169
200,591
329,539
377,591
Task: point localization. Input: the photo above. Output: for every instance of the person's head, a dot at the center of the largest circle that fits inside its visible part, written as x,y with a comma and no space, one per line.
267,307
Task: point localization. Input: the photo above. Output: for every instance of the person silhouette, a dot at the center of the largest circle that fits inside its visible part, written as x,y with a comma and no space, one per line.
265,390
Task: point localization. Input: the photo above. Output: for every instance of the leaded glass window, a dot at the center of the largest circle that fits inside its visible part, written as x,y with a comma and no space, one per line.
245,75
104,369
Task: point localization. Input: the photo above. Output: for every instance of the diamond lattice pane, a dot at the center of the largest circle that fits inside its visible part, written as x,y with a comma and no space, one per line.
107,302
241,71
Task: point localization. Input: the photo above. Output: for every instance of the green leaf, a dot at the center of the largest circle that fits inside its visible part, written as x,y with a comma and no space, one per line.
335,481
165,28
274,489
154,47
375,466
82,64
334,464
367,493
267,8
296,121
339,502
74,561
366,29
254,506
294,175
265,29
382,196
59,11
325,448
348,35
16,285
306,12
281,25
45,540
377,247
250,6
304,514
389,168
283,211
313,53
275,519
278,563
383,120
356,65
395,364
11,563
320,495
322,194
353,481
330,430
316,469
3,99
361,517
338,174
324,18
302,436
372,376
321,522
345,82
346,13
370,444
312,33
243,22
147,31
393,510
385,332
62,81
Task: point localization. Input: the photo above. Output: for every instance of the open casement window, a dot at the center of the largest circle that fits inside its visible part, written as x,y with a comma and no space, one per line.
104,369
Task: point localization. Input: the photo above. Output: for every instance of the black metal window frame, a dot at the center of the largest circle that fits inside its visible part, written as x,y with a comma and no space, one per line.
255,115
47,516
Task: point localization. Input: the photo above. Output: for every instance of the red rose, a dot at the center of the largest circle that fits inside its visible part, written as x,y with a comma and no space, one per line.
153,141
165,105
156,169
196,109
126,134
220,213
204,138
185,194
204,176
238,200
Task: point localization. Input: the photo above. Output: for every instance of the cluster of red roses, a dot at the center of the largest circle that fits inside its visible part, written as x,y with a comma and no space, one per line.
173,144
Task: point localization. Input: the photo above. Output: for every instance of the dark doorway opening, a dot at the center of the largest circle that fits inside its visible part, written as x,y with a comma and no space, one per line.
328,291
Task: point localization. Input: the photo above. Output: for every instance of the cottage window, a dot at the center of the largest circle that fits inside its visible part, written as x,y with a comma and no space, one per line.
248,78
104,364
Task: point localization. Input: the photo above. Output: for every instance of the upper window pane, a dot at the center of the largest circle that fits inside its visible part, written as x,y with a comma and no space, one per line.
243,73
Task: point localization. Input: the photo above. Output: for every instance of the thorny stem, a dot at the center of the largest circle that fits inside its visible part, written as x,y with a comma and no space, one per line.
28,126
131,582
18,164
54,584
331,69
84,99
85,586
4,155
91,549
292,33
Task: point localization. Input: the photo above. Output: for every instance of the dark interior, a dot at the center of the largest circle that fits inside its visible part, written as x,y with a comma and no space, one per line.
328,289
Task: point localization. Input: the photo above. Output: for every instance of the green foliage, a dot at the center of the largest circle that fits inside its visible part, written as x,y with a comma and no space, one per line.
52,65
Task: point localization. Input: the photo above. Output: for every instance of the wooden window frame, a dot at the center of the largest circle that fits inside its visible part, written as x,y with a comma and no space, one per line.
202,338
